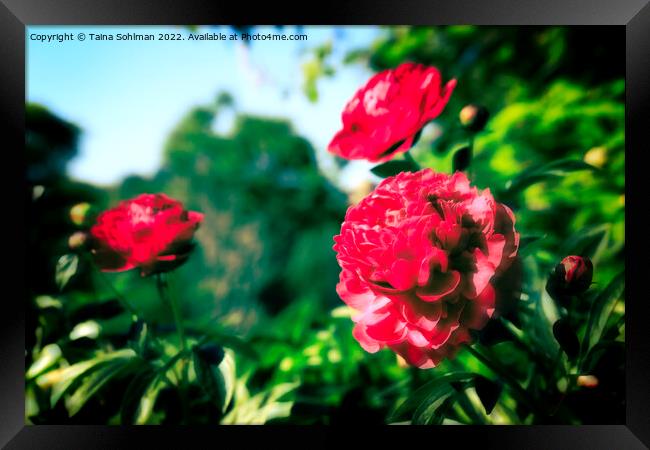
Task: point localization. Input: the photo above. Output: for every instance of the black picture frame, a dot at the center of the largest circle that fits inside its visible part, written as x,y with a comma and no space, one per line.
631,15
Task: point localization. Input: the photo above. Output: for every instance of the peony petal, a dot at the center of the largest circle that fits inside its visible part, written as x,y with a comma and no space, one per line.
441,285
424,315
416,338
478,311
368,344
388,329
495,246
505,225
402,275
484,271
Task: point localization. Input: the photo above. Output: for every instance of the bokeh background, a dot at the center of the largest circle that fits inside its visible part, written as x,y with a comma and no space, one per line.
239,131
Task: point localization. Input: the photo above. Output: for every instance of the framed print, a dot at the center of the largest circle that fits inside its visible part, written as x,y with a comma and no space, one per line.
369,215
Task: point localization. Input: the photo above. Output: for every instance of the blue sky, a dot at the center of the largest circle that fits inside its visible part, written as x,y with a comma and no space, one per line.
127,95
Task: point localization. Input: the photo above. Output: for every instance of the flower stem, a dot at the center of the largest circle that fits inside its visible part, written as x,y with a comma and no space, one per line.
520,344
163,290
505,376
408,157
120,297
470,155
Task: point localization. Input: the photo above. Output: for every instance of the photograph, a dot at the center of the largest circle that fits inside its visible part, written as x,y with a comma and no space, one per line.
325,225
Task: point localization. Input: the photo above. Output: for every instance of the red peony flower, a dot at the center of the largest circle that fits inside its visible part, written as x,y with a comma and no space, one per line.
385,115
151,232
417,257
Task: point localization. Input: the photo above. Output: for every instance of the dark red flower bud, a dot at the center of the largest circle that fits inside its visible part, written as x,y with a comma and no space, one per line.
571,277
474,117
211,353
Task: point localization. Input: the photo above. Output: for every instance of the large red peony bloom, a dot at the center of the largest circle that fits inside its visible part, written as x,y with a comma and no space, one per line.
417,256
151,232
384,116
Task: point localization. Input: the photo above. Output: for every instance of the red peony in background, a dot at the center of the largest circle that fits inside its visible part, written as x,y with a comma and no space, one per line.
417,257
384,116
151,232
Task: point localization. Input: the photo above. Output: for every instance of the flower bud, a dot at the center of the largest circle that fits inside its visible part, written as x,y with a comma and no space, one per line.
588,381
77,240
571,277
82,214
211,353
597,156
474,117
567,338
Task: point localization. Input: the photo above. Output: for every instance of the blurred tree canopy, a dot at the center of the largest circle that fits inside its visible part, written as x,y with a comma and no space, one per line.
269,214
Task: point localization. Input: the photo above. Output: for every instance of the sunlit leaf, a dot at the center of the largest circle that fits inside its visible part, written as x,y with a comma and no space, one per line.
47,357
45,301
61,380
428,393
261,407
602,308
89,329
536,174
134,393
216,379
91,385
93,329
147,402
66,268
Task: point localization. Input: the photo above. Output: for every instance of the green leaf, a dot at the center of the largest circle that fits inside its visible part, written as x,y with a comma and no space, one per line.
431,410
602,308
261,407
589,242
488,392
62,380
428,393
147,402
45,301
92,329
598,351
216,380
229,340
89,329
47,357
535,174
527,244
390,168
133,394
116,368
66,268
227,372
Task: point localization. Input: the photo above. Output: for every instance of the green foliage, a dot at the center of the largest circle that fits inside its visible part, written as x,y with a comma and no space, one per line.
390,168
